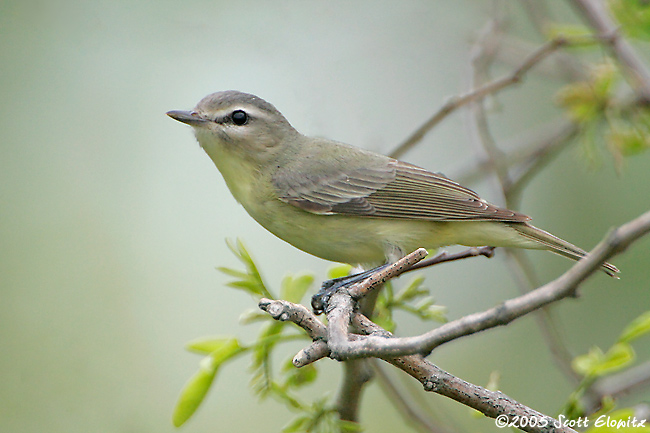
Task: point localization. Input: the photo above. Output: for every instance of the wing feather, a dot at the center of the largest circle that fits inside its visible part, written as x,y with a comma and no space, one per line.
387,188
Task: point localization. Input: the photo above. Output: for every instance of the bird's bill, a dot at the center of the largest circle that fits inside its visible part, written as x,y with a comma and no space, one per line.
189,117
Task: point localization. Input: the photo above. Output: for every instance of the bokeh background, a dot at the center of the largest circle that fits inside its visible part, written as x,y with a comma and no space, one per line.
112,219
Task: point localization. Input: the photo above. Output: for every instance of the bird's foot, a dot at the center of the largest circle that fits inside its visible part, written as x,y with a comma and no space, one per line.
320,300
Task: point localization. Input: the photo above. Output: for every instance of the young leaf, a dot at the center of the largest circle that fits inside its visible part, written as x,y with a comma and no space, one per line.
412,290
193,394
293,288
639,327
619,421
596,363
571,31
296,377
634,17
197,386
250,280
253,315
298,424
338,271
209,345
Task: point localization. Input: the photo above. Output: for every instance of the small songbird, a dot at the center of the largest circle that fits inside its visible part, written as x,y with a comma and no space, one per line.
342,203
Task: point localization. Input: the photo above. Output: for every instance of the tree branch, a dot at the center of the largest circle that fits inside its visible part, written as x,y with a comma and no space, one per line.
618,385
491,403
490,88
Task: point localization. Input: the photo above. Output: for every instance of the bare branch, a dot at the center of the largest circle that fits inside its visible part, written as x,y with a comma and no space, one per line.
445,257
312,353
298,314
339,312
481,57
551,139
434,379
490,88
618,385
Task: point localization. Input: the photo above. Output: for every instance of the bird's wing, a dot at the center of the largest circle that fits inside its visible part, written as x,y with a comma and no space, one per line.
386,188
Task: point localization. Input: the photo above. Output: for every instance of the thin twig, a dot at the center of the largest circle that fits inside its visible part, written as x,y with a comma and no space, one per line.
538,160
490,88
622,383
445,257
550,138
481,57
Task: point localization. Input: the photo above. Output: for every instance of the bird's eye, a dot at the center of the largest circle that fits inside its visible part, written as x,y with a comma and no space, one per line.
239,117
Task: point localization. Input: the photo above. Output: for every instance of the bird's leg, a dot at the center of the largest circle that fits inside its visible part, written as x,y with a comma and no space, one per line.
319,300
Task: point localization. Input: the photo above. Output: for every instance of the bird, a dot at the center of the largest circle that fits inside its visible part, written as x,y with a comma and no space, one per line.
343,203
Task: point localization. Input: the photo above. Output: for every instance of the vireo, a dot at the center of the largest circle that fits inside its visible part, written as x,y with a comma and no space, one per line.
342,203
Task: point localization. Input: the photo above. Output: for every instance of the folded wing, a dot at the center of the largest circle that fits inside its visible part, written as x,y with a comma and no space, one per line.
387,188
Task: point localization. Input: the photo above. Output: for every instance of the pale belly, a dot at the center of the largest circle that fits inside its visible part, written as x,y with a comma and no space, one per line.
370,241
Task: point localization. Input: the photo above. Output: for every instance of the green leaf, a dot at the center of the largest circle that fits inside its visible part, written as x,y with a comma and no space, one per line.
296,377
293,288
196,388
338,271
637,328
580,101
233,272
634,17
629,141
569,31
262,379
250,281
280,392
253,315
604,77
437,313
298,424
620,421
596,363
209,345
412,290
192,395
586,101
349,426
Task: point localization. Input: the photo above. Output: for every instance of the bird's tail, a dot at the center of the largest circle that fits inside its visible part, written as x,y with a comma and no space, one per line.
557,245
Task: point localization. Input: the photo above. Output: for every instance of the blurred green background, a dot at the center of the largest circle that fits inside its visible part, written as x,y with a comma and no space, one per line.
112,219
